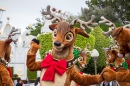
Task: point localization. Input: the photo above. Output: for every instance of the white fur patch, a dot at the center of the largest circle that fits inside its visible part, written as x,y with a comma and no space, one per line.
73,83
58,81
120,55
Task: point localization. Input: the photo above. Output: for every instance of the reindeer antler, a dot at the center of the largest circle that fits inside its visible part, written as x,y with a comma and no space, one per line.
109,23
52,15
112,46
127,24
12,33
85,23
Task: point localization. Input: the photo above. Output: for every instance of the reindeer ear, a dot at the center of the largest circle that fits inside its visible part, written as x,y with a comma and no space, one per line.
81,32
53,26
117,31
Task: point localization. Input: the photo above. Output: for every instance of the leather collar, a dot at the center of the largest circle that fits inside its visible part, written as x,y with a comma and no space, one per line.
118,67
69,64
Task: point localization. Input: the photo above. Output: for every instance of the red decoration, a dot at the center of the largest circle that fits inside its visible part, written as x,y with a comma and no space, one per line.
52,66
10,71
128,62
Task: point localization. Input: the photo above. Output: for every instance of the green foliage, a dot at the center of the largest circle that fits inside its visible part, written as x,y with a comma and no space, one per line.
36,29
120,8
83,41
31,74
94,10
46,43
90,67
106,28
101,41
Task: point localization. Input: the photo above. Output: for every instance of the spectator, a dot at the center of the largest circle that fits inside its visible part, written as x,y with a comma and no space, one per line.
106,83
15,82
36,81
27,81
19,82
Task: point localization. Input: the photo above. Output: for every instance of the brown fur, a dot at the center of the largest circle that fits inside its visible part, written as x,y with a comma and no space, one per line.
5,49
82,60
121,35
113,58
64,35
110,75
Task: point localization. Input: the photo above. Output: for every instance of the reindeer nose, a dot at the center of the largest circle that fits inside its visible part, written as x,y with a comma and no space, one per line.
56,43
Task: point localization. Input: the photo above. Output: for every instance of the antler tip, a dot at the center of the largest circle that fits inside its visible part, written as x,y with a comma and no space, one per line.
100,22
102,17
93,16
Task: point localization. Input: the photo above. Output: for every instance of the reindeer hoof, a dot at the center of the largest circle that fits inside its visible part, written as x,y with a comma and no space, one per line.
35,40
127,55
120,55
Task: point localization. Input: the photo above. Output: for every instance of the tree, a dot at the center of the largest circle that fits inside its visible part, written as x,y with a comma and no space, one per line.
100,42
121,8
36,28
94,10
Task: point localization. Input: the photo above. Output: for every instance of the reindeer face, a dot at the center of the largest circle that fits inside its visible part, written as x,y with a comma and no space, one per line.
82,62
111,55
116,32
82,59
5,50
62,36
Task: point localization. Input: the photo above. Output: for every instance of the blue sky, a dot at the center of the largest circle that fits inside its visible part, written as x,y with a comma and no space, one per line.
24,12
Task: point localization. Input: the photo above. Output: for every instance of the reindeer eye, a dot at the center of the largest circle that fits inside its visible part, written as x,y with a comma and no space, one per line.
69,36
80,58
55,33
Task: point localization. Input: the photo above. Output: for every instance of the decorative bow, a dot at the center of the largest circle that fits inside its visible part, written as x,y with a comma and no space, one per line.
52,66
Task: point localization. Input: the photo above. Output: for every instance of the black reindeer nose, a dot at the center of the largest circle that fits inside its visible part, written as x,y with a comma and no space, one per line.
56,43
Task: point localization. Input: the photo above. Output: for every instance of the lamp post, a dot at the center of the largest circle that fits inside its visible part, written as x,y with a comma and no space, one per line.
95,54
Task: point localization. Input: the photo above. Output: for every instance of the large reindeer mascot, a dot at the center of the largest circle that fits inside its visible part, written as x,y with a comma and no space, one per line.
121,37
57,68
5,49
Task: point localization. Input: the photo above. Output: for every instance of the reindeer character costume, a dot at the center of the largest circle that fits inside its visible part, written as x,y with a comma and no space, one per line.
120,64
5,49
121,37
57,68
80,57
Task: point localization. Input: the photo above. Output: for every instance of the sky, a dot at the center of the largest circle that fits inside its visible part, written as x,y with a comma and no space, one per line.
24,12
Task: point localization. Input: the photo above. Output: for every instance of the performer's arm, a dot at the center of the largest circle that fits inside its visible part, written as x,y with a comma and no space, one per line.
31,63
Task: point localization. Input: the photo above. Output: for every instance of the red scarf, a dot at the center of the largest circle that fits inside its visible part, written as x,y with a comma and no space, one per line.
53,67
